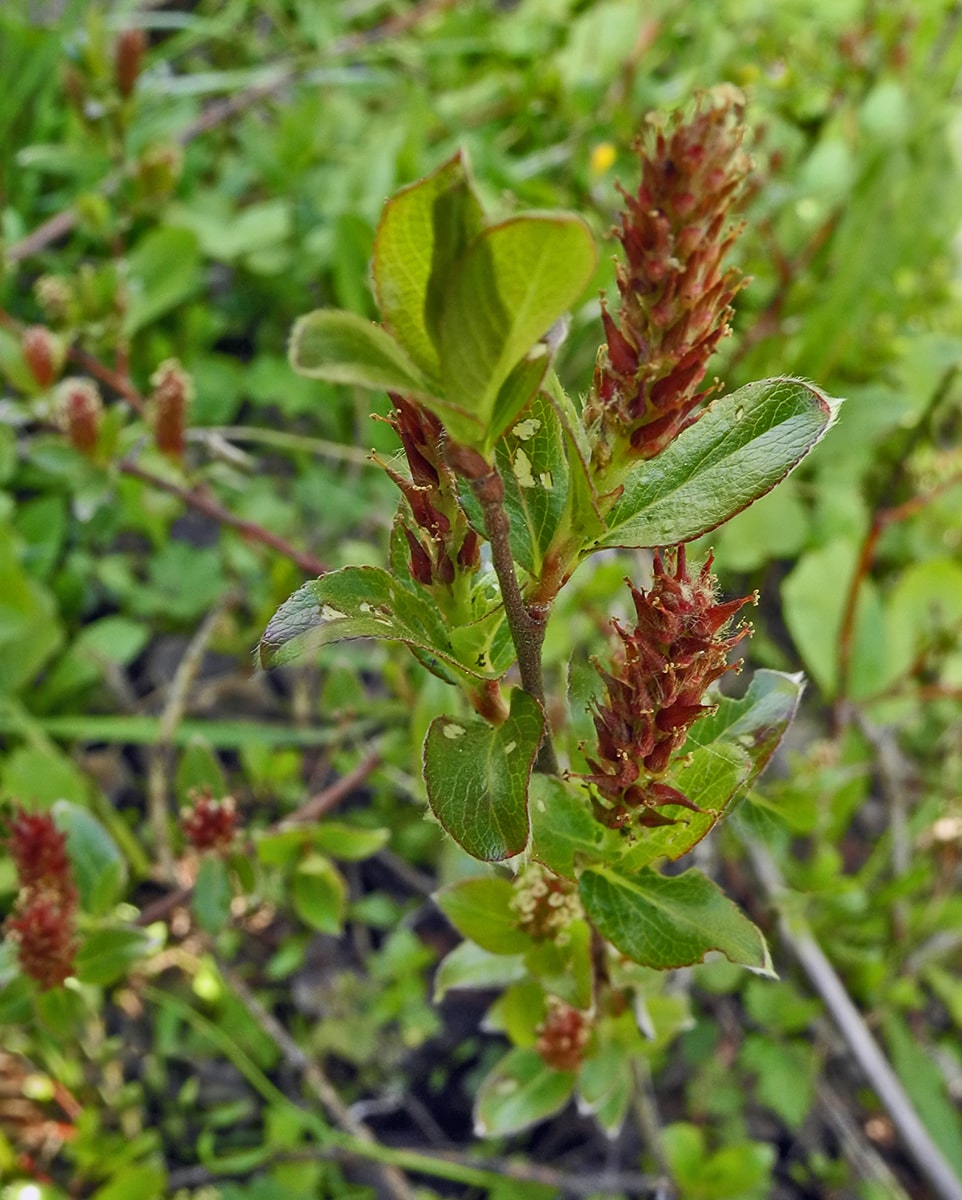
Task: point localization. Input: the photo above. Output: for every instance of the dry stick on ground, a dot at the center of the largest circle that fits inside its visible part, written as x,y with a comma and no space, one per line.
866,1160
159,759
799,940
394,1183
321,804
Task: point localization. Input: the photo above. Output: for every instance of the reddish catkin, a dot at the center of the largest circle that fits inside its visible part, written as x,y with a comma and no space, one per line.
43,920
79,413
43,353
675,292
173,392
563,1036
655,690
209,824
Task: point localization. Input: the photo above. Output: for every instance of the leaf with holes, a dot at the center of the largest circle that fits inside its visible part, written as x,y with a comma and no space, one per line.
671,921
356,602
477,777
744,445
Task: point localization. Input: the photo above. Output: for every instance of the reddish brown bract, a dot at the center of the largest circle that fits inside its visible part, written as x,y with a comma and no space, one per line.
42,923
169,401
563,1036
654,693
209,824
675,296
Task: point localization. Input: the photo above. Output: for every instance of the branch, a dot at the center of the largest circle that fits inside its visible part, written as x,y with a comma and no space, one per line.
204,503
527,625
798,938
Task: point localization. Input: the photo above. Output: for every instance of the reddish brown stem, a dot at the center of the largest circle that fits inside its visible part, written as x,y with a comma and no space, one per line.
203,502
880,522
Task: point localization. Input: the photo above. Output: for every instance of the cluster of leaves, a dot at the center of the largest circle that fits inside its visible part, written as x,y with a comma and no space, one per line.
207,184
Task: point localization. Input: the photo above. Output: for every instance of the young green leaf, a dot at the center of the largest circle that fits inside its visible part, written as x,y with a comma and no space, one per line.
355,602
480,909
519,1092
477,777
511,285
423,231
744,445
671,921
342,347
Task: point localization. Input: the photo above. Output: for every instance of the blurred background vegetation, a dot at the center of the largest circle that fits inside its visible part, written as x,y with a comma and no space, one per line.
244,1023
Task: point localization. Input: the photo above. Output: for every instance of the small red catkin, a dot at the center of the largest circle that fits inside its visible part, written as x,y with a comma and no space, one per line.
563,1036
679,646
43,353
128,56
209,824
42,924
79,413
173,392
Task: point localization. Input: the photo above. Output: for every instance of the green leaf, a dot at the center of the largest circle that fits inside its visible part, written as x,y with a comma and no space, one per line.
423,231
480,909
107,955
319,894
349,843
164,269
533,464
99,869
341,347
711,777
144,1181
468,966
671,921
477,777
357,602
757,721
29,628
521,1091
740,449
210,901
516,279
564,832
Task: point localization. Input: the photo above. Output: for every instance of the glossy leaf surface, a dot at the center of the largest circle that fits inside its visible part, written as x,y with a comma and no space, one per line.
671,921
740,449
477,777
519,1092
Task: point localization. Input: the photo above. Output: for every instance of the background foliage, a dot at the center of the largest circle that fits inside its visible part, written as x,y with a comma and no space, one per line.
244,1021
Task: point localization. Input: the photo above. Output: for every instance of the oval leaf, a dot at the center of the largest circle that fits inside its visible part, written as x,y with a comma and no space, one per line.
671,921
744,445
99,869
355,602
516,279
343,347
423,231
480,909
519,1092
477,777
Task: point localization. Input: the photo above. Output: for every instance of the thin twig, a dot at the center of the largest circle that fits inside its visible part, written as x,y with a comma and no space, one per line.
800,941
217,113
321,804
159,758
880,522
866,1161
527,625
314,1077
204,503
